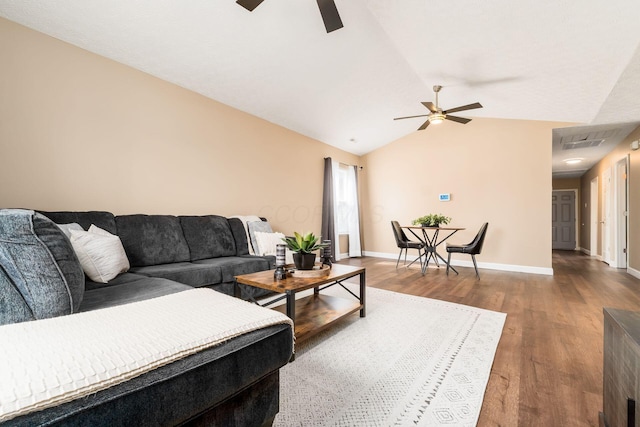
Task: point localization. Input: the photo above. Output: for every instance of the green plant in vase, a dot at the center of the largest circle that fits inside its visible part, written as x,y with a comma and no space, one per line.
303,247
431,220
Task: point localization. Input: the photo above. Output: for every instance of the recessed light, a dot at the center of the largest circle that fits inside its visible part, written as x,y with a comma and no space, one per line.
573,161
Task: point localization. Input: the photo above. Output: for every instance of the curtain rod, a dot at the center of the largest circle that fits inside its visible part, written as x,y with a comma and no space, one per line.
347,164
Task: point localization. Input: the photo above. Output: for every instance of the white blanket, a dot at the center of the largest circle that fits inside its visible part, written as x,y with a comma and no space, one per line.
245,219
45,363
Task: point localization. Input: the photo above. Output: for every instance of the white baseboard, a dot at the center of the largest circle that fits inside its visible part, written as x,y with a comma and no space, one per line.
632,271
487,265
588,252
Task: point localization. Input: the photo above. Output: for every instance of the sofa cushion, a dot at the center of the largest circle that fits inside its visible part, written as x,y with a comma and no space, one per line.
239,235
104,220
208,236
38,260
184,272
138,290
234,266
187,387
13,307
118,280
152,239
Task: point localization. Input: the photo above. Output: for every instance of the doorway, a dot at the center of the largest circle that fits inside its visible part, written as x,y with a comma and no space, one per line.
621,212
607,205
593,222
563,219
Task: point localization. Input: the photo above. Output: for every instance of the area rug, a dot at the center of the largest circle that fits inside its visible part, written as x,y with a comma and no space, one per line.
411,361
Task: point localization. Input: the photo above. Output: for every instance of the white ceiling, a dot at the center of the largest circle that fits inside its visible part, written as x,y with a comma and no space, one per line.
563,60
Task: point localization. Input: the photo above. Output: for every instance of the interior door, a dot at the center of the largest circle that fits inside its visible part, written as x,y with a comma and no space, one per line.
563,220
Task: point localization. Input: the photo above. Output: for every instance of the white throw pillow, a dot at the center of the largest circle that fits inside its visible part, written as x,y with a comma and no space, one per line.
101,253
66,228
267,242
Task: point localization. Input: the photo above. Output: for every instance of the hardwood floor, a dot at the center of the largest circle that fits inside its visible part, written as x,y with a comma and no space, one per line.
548,367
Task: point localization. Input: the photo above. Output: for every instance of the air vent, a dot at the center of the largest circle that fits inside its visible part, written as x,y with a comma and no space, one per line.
582,144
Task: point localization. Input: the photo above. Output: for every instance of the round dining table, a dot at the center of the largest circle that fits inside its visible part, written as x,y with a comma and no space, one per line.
432,237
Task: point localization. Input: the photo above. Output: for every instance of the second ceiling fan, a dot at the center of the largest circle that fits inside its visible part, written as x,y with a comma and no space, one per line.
437,114
328,10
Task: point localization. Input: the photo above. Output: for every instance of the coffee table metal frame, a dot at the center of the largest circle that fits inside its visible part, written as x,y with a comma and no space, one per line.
334,308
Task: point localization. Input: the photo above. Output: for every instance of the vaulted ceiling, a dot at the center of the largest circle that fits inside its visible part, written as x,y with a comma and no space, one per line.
571,61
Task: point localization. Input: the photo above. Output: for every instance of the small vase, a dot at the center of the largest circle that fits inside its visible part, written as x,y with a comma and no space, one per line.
304,261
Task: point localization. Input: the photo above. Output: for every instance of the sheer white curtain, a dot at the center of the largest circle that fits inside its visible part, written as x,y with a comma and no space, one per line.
353,216
337,182
343,209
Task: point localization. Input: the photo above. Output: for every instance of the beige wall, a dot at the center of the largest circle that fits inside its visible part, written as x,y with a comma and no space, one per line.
620,152
566,184
79,132
495,170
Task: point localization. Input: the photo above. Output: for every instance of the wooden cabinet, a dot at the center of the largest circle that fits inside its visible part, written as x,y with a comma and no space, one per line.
621,379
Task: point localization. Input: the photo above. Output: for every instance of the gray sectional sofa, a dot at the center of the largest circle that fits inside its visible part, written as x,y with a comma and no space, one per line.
235,383
208,250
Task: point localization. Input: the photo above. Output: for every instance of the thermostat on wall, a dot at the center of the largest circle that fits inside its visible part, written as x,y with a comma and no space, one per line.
445,197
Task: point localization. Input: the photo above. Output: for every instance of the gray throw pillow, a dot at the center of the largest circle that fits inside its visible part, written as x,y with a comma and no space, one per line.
39,263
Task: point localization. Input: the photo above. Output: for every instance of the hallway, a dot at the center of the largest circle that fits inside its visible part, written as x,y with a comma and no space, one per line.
548,367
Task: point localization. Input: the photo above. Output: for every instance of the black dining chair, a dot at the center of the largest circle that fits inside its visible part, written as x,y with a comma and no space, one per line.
474,248
405,244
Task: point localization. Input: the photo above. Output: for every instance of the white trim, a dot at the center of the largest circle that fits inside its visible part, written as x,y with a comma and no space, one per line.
487,265
608,218
632,271
588,252
593,214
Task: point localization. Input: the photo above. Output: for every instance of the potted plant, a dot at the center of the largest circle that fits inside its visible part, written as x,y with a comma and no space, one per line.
303,248
431,220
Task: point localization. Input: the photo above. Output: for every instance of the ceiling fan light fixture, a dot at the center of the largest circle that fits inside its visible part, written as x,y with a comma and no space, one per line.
436,118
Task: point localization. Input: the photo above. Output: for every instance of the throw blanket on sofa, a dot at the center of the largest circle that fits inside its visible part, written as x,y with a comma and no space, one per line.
245,220
47,362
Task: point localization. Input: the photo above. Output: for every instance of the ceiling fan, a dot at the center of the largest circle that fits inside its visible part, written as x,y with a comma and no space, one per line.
328,10
437,114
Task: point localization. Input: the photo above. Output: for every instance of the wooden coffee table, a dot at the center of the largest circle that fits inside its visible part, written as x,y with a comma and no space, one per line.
316,312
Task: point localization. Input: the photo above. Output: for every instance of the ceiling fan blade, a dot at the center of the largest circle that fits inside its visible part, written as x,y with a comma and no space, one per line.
330,15
457,119
249,4
463,108
411,117
430,106
424,125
